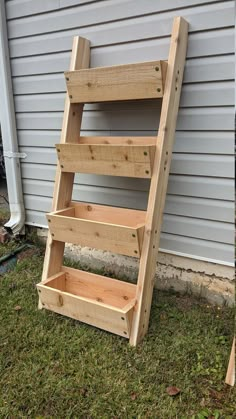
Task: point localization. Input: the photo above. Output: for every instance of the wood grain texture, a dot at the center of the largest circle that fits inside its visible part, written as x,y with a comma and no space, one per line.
64,181
107,159
99,301
230,376
126,140
158,187
114,229
121,82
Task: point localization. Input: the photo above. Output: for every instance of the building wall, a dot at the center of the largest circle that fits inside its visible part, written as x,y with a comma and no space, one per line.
199,211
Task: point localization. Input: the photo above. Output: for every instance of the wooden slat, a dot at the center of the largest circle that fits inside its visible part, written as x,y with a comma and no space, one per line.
104,159
102,302
230,376
108,214
64,181
158,187
123,82
127,140
90,226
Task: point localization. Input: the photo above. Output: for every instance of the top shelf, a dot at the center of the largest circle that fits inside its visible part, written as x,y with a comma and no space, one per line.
122,82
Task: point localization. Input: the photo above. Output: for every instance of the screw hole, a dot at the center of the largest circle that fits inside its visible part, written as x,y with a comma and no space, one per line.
136,251
70,96
143,326
145,153
122,318
158,90
153,247
67,78
49,221
53,234
178,72
147,172
145,311
157,68
176,88
125,333
43,304
39,290
62,166
133,235
167,153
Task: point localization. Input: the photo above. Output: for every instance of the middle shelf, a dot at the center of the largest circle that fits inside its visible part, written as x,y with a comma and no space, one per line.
117,230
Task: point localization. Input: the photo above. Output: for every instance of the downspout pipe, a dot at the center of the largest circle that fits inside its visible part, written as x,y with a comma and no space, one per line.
9,134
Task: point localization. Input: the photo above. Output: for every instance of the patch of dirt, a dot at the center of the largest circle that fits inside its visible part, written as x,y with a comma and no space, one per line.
27,254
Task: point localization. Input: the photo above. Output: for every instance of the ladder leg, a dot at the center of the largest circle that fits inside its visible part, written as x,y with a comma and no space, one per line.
159,180
64,181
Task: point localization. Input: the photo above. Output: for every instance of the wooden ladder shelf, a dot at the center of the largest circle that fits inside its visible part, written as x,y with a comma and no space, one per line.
107,303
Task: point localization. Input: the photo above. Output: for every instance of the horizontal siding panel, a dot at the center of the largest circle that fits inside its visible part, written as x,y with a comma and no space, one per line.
199,45
196,70
202,248
22,8
185,141
195,186
176,205
202,229
188,246
209,209
189,164
156,24
213,94
208,119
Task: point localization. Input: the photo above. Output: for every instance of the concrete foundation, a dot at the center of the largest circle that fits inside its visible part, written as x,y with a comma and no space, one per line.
207,280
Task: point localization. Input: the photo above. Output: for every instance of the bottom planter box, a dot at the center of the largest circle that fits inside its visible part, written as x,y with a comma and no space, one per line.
103,302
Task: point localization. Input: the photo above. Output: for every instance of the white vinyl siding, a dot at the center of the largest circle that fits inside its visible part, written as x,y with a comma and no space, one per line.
199,211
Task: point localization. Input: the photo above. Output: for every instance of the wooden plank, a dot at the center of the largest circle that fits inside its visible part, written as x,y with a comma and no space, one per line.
127,140
105,290
108,214
102,302
87,230
122,82
230,376
64,181
158,187
106,159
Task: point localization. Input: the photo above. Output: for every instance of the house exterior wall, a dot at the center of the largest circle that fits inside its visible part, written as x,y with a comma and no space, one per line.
199,211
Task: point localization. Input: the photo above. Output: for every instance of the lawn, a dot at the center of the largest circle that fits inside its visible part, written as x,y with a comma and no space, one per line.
54,367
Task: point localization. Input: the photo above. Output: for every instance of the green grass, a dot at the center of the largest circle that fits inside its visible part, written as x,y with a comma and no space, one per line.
54,367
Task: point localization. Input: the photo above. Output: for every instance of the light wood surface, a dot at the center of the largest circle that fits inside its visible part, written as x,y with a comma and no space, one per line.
230,376
64,181
127,140
104,302
106,159
121,82
114,229
159,181
100,301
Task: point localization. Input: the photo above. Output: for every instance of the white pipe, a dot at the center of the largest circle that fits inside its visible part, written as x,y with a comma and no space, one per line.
9,134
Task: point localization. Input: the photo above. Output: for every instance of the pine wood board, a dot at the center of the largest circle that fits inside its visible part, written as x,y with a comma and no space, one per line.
121,82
